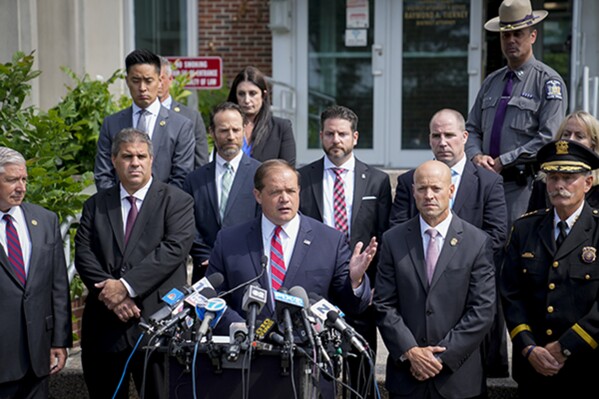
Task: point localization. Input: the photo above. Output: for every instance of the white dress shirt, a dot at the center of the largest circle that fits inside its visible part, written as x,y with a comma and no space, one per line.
570,221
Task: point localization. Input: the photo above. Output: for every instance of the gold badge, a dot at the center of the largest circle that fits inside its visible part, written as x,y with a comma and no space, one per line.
528,255
177,109
589,254
162,123
34,222
561,147
453,242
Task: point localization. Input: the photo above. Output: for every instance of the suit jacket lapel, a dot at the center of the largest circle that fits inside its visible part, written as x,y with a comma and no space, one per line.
302,245
255,250
360,180
159,134
451,246
240,176
414,242
316,178
468,183
546,232
148,209
211,187
36,236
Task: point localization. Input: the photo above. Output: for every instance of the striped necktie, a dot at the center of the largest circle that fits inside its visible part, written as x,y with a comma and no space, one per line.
15,254
339,207
277,261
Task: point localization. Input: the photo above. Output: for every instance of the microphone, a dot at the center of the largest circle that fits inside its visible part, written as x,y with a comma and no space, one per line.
266,330
172,322
300,292
286,304
263,263
175,298
238,333
210,315
321,307
333,320
253,301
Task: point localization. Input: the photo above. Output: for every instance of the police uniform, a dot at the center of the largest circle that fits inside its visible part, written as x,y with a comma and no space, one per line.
534,112
551,293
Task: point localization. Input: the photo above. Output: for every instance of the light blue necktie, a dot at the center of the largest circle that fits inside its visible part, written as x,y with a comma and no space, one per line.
226,183
454,178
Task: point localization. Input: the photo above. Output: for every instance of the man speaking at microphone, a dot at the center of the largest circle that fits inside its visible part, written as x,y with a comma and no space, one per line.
299,250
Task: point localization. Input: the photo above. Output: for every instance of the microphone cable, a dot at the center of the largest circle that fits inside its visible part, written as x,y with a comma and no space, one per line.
127,365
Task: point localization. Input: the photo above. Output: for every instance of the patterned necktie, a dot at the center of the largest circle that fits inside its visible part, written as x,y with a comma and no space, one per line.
494,148
340,210
15,254
225,184
277,261
432,253
562,226
143,120
454,179
131,216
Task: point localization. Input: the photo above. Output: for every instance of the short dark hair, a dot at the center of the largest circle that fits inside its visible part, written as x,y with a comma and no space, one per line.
264,169
226,106
130,135
142,56
339,112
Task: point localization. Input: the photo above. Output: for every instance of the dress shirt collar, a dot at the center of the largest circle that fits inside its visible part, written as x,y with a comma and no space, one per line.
349,165
14,212
168,103
571,220
153,108
442,227
139,194
220,162
522,70
459,166
290,229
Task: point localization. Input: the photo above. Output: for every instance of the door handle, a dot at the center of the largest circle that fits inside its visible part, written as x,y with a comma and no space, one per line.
377,54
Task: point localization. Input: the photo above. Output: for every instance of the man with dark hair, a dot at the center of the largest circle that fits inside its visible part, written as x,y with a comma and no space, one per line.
131,248
201,148
35,313
349,195
172,134
223,189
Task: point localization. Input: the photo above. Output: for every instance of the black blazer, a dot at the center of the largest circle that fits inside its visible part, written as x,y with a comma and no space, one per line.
279,144
36,317
199,132
153,262
480,201
241,205
371,202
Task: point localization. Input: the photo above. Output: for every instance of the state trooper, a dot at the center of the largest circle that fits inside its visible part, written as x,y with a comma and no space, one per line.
518,108
550,282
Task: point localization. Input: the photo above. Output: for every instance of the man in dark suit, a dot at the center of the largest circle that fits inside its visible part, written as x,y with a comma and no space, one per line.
199,129
130,249
479,200
35,320
172,134
550,285
435,296
224,185
366,198
315,256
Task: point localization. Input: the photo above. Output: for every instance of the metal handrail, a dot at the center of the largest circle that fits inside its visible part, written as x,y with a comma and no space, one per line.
65,227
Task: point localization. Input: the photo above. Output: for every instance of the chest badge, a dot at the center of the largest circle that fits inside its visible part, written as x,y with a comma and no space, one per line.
589,254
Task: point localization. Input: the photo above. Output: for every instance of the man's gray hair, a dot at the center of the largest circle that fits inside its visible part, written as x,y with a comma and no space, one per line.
10,156
131,135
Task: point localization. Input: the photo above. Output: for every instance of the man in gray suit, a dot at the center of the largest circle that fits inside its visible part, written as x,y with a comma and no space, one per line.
35,318
223,190
199,129
435,295
172,134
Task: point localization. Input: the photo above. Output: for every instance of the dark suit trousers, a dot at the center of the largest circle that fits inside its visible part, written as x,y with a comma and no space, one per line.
103,372
28,387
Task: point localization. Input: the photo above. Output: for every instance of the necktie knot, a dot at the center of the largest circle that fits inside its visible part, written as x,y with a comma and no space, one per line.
563,232
228,167
7,218
432,233
339,172
131,200
142,121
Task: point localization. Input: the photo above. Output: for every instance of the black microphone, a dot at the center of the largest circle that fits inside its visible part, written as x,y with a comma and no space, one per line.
267,331
333,320
263,263
238,333
300,292
285,305
253,301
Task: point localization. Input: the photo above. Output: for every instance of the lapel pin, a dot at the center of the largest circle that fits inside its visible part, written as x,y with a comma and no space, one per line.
307,242
453,242
363,176
162,123
528,255
34,222
177,109
589,254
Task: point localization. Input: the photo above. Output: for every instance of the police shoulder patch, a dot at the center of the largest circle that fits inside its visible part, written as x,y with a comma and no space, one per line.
553,90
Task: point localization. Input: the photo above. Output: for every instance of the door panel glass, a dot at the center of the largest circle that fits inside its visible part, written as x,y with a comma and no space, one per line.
435,64
161,26
337,73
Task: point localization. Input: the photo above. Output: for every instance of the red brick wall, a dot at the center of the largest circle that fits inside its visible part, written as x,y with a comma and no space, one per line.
237,31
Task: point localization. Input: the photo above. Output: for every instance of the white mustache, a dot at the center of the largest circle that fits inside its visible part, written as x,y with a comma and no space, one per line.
562,192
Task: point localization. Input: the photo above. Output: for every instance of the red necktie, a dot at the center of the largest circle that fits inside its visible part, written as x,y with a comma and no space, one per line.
131,216
340,210
432,254
15,254
277,261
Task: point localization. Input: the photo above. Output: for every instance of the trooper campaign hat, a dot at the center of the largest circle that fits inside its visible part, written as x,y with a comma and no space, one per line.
566,156
514,15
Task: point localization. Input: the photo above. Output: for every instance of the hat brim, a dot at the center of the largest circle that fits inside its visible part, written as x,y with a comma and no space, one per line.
565,167
493,24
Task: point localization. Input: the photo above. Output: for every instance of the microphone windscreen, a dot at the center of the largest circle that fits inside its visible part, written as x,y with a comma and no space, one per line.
300,292
208,292
216,280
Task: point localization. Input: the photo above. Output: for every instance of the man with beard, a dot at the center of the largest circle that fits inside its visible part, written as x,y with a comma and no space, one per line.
550,282
349,195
